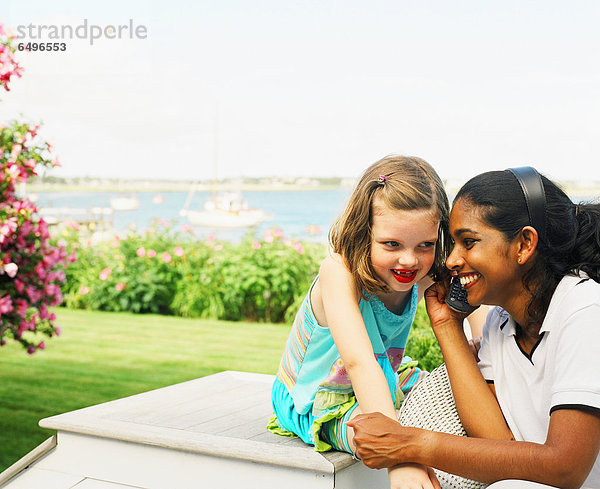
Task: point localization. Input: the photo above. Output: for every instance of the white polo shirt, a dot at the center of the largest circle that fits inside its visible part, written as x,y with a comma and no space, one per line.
562,371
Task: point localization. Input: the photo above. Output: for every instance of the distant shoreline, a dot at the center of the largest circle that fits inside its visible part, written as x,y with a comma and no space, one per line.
574,191
128,188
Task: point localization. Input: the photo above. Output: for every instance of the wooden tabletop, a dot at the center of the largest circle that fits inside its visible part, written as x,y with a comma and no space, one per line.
222,415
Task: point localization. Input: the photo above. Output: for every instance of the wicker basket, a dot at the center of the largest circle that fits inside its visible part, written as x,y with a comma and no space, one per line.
430,405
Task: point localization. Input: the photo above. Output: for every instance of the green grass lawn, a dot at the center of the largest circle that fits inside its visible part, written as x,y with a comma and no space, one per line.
104,356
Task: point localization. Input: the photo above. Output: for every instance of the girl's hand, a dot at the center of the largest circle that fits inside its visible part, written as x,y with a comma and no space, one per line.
413,476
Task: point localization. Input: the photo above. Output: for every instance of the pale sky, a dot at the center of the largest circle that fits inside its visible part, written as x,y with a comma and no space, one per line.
315,87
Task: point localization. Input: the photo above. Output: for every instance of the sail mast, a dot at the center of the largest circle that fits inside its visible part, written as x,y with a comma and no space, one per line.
215,156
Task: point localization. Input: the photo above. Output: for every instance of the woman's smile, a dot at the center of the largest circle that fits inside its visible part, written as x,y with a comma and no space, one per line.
469,279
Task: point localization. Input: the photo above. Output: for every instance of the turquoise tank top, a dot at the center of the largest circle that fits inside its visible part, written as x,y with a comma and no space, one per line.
311,367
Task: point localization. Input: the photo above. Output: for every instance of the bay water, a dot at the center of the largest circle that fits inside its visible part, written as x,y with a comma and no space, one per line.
304,215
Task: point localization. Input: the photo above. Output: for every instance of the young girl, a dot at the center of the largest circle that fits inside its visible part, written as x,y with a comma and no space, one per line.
348,338
520,244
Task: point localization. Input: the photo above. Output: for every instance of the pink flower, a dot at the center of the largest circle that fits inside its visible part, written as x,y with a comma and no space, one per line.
19,286
278,233
23,326
178,251
218,247
40,271
151,253
83,290
34,130
166,257
42,346
256,245
104,274
57,301
71,224
298,247
141,251
313,229
9,227
186,228
31,349
269,237
120,286
6,304
33,294
211,237
22,308
57,275
44,313
16,150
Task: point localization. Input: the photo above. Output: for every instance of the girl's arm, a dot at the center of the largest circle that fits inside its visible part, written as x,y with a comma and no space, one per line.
340,300
564,460
476,403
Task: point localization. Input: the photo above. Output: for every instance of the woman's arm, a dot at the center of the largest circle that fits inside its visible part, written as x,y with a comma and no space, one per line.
476,404
564,460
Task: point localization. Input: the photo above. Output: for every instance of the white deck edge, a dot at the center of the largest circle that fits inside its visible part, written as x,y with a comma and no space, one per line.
28,459
95,421
200,443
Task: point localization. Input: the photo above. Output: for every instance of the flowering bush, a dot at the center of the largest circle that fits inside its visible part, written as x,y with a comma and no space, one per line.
171,272
256,279
31,266
8,64
137,273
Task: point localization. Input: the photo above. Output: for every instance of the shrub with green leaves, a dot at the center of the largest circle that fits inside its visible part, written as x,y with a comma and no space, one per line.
173,273
138,273
164,271
422,344
256,279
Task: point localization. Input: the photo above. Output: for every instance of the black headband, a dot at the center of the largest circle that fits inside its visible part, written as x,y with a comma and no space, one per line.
535,197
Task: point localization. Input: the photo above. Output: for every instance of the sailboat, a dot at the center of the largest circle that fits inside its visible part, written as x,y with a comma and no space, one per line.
223,209
125,202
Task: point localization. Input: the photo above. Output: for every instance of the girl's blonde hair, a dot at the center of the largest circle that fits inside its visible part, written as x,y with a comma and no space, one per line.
400,182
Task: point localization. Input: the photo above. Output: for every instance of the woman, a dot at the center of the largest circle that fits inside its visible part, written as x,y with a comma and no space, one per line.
531,407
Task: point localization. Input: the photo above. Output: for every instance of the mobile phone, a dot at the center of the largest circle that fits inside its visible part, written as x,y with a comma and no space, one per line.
457,297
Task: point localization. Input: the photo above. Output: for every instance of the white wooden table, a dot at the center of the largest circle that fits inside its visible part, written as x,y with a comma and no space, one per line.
209,432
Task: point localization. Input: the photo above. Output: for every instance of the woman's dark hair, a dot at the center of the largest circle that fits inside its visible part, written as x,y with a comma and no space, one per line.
572,241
